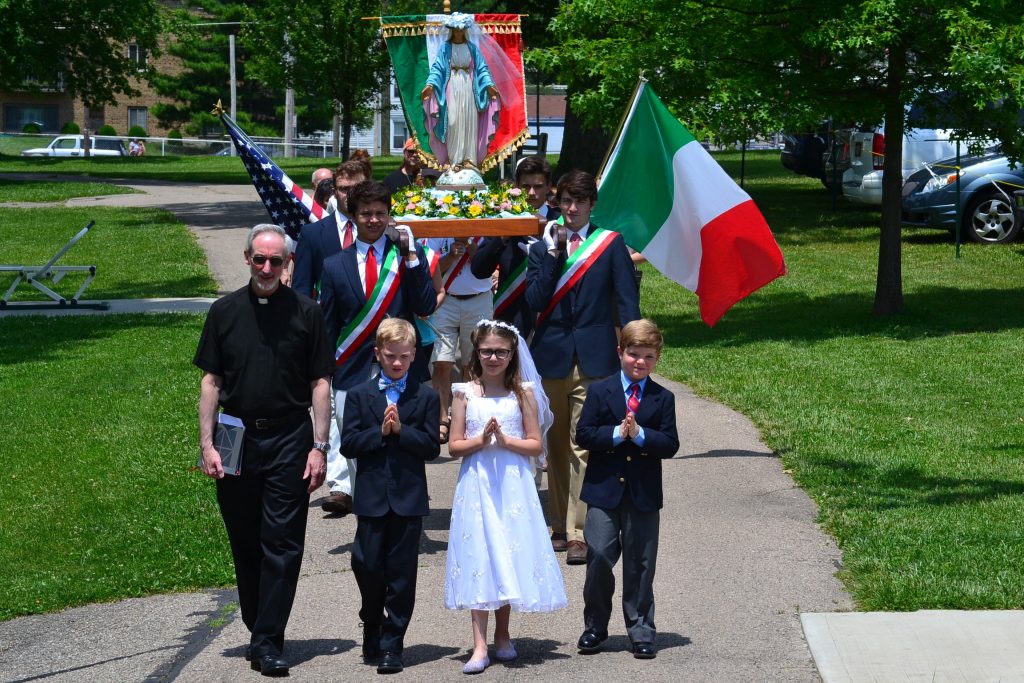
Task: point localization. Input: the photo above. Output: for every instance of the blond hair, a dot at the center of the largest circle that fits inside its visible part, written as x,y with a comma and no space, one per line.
395,331
642,332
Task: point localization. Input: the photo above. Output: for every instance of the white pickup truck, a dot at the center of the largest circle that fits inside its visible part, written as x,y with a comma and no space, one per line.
71,146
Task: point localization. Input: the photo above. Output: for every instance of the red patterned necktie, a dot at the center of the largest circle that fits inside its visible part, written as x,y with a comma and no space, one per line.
633,402
371,272
346,241
574,242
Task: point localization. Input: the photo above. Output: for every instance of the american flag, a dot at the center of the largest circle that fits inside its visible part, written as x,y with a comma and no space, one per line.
287,204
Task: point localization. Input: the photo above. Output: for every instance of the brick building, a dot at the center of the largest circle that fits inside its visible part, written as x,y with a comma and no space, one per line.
53,108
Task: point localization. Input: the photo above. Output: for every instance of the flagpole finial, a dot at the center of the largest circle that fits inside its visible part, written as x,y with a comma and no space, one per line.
447,7
643,77
218,110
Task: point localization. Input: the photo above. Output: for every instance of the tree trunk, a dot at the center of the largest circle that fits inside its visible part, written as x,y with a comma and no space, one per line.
889,283
582,148
346,133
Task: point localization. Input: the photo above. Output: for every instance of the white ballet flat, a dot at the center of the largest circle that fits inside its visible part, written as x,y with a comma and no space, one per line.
506,655
476,666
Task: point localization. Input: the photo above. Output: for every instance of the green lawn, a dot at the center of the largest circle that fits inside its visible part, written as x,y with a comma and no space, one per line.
907,431
99,502
197,169
53,191
139,253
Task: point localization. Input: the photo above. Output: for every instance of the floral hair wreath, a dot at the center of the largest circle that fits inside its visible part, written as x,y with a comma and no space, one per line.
458,20
499,323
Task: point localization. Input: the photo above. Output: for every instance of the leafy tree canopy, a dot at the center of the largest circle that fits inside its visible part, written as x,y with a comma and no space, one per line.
80,46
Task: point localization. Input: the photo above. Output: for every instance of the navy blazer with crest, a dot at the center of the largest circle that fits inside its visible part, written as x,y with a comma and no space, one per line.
318,241
390,474
342,297
611,469
583,323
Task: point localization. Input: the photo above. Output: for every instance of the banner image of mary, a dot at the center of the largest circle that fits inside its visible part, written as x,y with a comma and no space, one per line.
460,100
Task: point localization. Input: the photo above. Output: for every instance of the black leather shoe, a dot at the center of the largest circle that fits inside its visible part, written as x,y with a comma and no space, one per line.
390,663
270,665
371,643
591,641
644,651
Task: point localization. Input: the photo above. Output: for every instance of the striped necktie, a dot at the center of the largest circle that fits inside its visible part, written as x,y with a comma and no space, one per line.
633,402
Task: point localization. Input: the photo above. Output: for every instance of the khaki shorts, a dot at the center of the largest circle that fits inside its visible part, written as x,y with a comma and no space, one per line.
456,320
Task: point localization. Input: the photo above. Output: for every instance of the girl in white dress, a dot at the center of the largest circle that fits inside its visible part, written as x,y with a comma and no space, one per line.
499,552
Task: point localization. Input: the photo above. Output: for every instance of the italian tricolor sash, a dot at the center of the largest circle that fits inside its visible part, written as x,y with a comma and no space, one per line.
366,321
433,258
454,271
578,264
511,290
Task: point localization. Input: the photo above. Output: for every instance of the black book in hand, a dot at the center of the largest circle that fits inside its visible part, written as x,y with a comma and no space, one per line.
228,436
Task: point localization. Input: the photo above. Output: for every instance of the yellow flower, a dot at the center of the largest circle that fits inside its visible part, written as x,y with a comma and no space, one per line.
447,199
415,200
453,210
419,211
475,210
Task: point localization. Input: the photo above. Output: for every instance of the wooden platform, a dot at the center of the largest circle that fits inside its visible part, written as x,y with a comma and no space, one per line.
473,227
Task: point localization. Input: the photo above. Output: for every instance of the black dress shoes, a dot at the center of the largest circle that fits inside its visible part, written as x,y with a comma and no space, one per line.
644,651
390,663
371,643
591,641
270,665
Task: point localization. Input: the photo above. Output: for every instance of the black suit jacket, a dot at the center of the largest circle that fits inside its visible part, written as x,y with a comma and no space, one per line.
611,470
583,323
318,241
390,473
342,297
495,252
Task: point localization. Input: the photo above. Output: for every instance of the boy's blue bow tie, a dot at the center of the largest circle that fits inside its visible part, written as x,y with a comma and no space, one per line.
385,383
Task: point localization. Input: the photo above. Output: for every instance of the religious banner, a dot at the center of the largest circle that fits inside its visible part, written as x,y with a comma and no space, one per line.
460,80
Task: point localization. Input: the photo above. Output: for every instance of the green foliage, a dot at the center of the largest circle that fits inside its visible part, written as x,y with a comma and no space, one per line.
106,129
49,191
71,128
137,132
79,47
31,129
174,134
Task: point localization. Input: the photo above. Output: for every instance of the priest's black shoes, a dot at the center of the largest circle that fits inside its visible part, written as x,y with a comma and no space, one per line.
644,651
390,663
270,665
591,641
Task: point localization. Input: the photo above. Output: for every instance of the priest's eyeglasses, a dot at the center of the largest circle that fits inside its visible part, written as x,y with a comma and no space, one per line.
260,259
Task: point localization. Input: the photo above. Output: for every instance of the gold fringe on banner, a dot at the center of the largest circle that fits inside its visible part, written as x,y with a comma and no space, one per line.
495,158
419,28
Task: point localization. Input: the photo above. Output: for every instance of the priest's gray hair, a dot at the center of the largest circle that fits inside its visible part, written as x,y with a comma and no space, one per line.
269,227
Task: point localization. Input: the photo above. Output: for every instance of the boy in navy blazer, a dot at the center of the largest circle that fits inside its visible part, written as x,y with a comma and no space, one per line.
628,425
581,294
391,429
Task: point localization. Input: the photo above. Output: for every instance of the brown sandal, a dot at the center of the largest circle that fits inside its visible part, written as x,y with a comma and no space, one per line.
446,426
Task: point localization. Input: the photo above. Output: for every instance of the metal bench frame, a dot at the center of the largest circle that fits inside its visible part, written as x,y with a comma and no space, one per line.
33,275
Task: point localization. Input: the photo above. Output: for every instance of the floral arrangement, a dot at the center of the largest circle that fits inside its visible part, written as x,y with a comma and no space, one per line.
497,201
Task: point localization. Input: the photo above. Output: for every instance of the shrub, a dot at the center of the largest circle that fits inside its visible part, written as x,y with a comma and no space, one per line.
137,132
32,128
174,134
106,129
70,128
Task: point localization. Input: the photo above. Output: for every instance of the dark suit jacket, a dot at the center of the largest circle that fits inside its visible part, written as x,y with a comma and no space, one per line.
614,469
583,323
342,297
390,473
319,240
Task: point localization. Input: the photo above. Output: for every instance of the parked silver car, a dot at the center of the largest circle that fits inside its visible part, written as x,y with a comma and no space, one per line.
987,184
862,181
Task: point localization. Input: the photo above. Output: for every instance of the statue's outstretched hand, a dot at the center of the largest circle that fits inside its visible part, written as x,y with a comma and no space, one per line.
492,93
427,92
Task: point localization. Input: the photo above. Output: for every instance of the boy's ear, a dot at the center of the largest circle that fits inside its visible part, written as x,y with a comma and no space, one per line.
618,350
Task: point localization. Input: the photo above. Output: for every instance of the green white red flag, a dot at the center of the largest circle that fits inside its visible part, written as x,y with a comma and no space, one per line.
672,202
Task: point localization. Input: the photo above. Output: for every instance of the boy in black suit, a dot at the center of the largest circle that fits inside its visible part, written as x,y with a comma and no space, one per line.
628,424
391,428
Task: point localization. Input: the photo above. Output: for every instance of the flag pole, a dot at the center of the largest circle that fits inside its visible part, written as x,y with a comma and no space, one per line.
618,133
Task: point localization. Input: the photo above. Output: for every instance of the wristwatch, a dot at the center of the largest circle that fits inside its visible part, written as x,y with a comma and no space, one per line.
322,446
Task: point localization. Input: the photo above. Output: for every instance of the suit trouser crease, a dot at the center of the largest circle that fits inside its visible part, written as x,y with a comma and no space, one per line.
633,534
384,560
567,462
341,471
265,511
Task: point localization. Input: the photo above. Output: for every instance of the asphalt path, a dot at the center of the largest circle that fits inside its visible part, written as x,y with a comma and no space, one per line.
741,558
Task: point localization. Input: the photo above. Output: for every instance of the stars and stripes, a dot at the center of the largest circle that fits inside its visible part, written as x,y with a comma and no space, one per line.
287,204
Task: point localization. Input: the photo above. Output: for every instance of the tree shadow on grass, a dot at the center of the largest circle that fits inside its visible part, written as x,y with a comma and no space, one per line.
903,486
36,338
798,318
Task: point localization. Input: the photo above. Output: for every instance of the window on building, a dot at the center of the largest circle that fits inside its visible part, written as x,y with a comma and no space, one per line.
399,133
138,116
16,116
137,54
95,117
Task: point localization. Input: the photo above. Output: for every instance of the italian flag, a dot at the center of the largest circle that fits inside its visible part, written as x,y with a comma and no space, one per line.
673,203
413,42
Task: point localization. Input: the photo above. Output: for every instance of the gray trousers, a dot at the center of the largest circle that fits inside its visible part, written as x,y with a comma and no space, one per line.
632,534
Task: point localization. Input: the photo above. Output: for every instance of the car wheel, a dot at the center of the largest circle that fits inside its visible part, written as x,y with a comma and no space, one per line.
991,220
